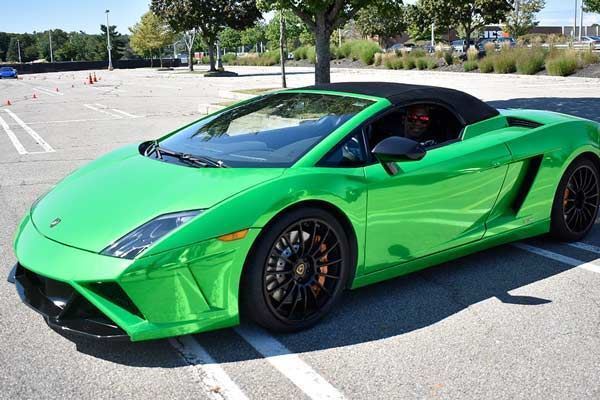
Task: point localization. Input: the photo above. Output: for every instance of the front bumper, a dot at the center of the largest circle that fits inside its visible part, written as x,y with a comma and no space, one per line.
62,307
182,291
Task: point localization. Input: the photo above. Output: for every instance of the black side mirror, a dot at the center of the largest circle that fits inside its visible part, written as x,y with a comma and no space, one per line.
396,148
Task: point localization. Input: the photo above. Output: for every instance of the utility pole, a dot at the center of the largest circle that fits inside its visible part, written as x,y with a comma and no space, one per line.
432,37
51,55
19,50
282,47
108,46
517,9
581,22
575,21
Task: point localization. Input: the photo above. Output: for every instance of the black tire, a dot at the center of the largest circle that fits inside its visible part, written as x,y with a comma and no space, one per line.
284,288
575,206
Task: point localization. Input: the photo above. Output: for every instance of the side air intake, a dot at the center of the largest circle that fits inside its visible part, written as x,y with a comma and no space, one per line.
523,123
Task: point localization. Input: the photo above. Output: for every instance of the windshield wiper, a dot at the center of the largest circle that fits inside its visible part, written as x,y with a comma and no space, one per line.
198,161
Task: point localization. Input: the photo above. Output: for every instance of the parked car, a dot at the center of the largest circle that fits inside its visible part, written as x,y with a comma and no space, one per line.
459,45
398,47
589,41
505,41
8,72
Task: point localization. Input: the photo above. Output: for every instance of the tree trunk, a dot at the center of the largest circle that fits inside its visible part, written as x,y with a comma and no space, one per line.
190,62
160,58
322,36
211,56
282,55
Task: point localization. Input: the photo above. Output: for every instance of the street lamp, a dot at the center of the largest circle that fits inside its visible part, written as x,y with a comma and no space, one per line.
108,47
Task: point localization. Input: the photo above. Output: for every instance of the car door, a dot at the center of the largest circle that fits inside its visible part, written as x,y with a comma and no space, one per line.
432,204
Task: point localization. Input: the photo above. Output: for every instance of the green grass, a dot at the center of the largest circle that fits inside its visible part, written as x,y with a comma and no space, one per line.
470,66
564,64
421,63
449,58
530,62
409,63
486,64
505,62
432,63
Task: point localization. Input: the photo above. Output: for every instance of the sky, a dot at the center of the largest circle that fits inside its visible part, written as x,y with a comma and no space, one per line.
87,15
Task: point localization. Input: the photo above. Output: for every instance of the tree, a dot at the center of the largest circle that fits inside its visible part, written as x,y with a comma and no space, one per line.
150,36
4,43
468,16
206,18
592,5
59,38
382,18
321,18
521,19
295,30
29,50
118,42
230,38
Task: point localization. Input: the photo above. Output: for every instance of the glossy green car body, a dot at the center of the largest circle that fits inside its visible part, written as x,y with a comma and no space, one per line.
495,185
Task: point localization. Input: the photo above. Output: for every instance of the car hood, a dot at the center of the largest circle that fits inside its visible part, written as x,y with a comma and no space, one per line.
110,197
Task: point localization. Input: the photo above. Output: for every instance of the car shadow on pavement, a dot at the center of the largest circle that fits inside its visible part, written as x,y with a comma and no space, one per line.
584,107
275,73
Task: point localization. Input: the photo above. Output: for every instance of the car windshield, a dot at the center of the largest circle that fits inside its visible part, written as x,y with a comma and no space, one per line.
272,131
6,69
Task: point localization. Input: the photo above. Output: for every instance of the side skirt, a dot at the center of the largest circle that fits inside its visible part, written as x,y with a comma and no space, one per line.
535,229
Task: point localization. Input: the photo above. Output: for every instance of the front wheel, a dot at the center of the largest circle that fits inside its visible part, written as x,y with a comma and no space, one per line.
297,272
576,201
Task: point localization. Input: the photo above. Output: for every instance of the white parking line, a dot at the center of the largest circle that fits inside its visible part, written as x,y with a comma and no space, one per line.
124,113
91,107
593,266
50,92
289,364
584,246
116,110
217,384
13,138
31,132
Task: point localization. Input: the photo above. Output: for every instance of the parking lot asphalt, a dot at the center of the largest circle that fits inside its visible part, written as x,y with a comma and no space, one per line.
519,321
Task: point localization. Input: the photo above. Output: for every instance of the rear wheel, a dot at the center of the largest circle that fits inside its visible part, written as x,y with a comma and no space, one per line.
576,201
298,271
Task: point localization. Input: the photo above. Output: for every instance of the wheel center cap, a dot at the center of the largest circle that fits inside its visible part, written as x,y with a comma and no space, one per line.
300,269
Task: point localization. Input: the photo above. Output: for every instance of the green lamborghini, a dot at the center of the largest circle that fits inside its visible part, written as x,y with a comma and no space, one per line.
270,209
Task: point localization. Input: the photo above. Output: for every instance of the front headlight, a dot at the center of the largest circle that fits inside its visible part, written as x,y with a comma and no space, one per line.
140,239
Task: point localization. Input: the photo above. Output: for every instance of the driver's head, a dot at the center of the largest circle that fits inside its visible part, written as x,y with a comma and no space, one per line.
418,121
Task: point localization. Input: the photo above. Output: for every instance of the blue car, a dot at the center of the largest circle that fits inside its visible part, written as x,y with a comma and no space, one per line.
8,72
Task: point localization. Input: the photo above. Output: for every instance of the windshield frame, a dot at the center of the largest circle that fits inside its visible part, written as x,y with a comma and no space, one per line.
332,138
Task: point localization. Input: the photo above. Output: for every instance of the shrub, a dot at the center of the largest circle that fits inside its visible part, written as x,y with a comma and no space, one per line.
365,51
505,62
346,49
378,59
418,53
253,59
470,66
449,58
530,61
486,64
300,53
409,63
421,63
472,54
564,64
392,61
490,48
432,63
311,54
228,58
588,57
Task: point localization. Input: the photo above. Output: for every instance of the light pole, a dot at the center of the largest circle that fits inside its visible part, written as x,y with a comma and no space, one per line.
581,22
19,50
108,47
575,21
51,55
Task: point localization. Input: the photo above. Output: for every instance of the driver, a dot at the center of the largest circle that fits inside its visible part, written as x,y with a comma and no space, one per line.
418,125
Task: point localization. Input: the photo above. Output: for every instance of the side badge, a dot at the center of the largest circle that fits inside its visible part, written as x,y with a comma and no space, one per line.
55,222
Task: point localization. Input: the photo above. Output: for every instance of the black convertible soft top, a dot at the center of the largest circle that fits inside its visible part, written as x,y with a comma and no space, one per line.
468,108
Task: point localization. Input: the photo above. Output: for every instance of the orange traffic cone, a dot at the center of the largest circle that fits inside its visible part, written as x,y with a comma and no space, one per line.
57,89
90,81
34,96
8,103
95,80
